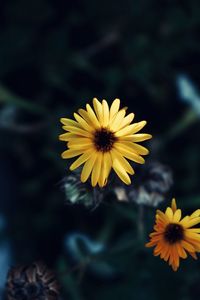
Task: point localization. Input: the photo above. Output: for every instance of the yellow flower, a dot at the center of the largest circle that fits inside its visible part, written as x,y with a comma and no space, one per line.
174,237
103,138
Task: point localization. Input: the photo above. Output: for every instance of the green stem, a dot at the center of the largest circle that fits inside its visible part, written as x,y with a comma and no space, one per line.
140,222
7,96
187,120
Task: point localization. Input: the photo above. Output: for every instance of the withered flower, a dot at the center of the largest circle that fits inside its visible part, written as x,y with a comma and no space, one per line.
34,282
77,192
151,186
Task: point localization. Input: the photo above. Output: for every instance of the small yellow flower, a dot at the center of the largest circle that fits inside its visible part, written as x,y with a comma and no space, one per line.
103,138
174,237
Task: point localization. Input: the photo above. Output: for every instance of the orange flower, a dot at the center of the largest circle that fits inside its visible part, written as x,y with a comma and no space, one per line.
173,238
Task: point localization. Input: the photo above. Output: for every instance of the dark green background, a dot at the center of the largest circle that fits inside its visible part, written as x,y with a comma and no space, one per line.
55,56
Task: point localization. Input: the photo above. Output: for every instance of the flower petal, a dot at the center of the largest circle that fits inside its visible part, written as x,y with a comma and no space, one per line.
124,163
71,153
96,170
88,166
92,116
117,120
126,152
114,108
83,123
106,115
118,168
138,137
98,110
78,131
131,129
85,156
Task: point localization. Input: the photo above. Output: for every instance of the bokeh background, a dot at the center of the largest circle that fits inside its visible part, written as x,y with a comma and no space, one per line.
55,56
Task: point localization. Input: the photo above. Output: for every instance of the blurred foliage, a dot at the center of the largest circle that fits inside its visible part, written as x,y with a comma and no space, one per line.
54,57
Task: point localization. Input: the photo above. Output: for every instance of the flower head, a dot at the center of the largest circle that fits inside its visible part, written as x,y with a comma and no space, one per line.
31,283
173,238
103,138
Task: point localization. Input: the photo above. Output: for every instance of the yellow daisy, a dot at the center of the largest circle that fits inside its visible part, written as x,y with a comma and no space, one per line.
174,237
103,138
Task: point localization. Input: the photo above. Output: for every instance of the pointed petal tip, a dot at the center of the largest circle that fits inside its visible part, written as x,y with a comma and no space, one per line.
94,100
117,100
62,121
83,180
173,205
63,155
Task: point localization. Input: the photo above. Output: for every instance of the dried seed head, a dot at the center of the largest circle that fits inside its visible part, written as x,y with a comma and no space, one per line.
34,282
77,192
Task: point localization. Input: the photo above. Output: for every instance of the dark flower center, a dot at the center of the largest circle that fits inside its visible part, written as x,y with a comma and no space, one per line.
173,233
33,289
29,291
104,140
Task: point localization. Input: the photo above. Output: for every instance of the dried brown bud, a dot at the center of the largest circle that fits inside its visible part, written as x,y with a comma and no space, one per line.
34,282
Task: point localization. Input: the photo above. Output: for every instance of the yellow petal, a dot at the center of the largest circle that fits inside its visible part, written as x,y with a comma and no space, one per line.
96,170
136,148
197,230
92,116
88,166
117,120
102,178
138,137
71,153
84,114
83,123
169,213
106,168
118,168
128,153
173,205
192,222
106,115
67,136
114,108
177,216
131,129
82,146
78,141
192,235
81,160
195,214
124,163
185,221
69,122
78,131
126,121
98,110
